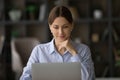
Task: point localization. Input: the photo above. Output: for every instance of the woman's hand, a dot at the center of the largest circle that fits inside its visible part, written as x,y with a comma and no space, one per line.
68,46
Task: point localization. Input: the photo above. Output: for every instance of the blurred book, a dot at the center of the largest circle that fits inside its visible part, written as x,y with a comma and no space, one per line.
1,43
42,12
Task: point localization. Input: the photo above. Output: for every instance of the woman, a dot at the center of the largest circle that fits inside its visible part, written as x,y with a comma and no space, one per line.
61,48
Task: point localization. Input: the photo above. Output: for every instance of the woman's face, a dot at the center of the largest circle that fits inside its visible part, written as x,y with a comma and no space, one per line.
61,29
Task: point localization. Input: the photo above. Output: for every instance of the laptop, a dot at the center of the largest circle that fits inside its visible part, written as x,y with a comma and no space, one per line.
56,71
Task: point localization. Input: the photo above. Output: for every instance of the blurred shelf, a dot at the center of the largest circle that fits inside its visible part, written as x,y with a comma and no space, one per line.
116,19
25,22
86,20
89,20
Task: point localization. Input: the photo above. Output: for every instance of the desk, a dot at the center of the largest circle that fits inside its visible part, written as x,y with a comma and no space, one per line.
107,78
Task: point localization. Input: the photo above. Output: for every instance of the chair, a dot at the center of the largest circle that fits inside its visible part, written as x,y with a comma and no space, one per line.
21,50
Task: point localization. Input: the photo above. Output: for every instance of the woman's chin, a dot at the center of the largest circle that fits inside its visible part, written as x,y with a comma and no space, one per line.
62,39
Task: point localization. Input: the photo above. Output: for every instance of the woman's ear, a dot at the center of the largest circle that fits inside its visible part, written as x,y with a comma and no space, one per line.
49,25
50,28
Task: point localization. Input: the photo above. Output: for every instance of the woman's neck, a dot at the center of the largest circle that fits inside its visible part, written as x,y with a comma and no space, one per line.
58,47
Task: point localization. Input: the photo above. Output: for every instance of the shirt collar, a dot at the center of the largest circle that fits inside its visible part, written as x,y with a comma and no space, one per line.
52,46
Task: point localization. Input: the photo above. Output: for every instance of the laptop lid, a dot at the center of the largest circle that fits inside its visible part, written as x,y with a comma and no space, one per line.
56,71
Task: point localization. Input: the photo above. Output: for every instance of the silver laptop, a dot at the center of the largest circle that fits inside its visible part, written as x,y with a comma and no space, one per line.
56,71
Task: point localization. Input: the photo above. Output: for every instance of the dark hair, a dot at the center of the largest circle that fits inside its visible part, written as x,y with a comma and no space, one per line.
60,11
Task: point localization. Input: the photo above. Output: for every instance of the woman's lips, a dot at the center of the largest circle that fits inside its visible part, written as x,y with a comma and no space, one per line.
61,36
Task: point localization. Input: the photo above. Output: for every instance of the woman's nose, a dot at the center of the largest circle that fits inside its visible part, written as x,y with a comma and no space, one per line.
60,31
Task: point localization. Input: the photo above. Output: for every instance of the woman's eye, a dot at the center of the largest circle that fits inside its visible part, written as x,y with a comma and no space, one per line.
66,26
55,27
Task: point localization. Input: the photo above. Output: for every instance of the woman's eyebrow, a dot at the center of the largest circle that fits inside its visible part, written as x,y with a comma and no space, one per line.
62,25
55,24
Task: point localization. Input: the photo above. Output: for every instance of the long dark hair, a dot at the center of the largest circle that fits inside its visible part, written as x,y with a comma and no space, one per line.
58,11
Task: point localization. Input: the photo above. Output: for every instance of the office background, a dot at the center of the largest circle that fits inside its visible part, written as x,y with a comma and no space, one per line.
97,24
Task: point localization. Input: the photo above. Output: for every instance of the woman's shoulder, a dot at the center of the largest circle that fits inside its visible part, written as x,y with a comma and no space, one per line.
44,45
83,50
81,45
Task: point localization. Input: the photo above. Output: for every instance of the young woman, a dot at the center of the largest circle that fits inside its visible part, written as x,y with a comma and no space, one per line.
61,48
